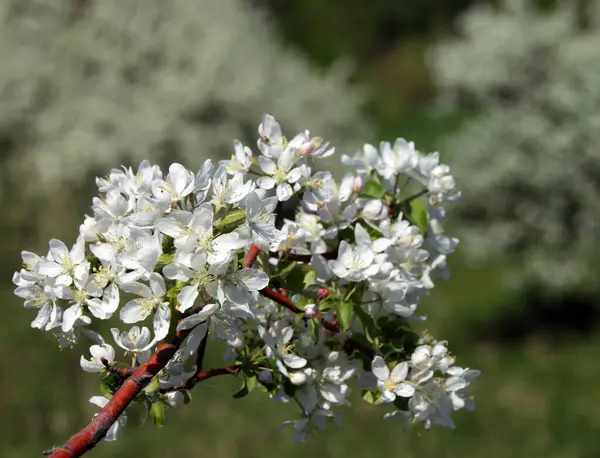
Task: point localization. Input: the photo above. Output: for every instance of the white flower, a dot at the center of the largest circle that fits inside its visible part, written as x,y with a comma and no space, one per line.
117,427
392,384
280,173
400,158
260,217
135,340
98,352
354,263
60,260
152,299
179,184
241,161
276,347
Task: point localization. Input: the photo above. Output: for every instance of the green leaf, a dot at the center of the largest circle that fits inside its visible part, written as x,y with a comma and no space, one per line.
231,219
344,311
299,317
372,398
153,386
373,188
300,277
418,214
286,270
187,396
167,244
157,412
251,383
243,391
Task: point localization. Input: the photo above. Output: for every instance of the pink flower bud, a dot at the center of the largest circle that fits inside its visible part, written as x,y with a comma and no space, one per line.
323,293
357,185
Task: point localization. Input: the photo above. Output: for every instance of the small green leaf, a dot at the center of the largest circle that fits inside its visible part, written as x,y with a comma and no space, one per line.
310,278
231,219
372,398
296,280
299,317
157,412
418,214
368,396
344,310
251,383
152,387
242,392
373,188
286,270
187,396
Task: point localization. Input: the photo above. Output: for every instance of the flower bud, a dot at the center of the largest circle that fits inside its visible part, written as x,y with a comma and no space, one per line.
297,378
88,230
310,310
323,293
174,398
357,185
265,376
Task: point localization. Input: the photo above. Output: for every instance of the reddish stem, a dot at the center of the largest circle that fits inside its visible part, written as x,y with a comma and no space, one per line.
123,372
305,258
189,384
282,300
93,433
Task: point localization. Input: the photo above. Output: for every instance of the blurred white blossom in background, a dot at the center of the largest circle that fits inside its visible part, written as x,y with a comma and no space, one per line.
529,156
85,84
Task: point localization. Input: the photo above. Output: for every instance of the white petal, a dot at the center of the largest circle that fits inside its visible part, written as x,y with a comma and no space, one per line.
198,318
136,288
399,372
267,165
284,192
293,361
50,268
157,284
405,390
380,369
162,321
186,297
70,317
58,250
266,182
252,279
133,312
179,272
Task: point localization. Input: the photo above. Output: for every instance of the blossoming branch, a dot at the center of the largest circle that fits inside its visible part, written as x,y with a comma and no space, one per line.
306,306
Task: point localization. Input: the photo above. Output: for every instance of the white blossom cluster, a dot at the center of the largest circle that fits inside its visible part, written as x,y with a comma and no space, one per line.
528,158
85,85
167,248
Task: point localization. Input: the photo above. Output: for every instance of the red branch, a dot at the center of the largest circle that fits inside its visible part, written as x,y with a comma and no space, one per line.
281,299
122,372
189,384
306,258
93,433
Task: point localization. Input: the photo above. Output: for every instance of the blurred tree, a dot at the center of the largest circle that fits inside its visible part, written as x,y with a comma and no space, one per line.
529,157
90,82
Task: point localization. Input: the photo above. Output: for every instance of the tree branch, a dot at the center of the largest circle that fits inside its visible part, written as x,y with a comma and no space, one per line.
199,377
305,258
93,433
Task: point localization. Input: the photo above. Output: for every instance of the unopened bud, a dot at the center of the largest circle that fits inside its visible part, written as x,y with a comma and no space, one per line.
265,376
323,293
310,310
357,185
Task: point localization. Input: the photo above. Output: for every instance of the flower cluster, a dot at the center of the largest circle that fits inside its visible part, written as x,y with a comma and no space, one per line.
305,306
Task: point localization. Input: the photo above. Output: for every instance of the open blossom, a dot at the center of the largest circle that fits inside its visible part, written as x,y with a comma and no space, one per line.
300,300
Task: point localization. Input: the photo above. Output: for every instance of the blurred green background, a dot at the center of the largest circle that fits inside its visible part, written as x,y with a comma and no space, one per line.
538,394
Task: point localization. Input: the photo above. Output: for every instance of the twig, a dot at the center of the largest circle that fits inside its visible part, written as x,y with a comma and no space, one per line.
303,257
123,372
199,377
95,431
